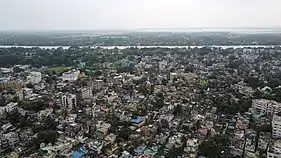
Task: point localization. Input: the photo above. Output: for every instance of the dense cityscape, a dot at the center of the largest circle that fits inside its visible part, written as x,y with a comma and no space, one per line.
208,102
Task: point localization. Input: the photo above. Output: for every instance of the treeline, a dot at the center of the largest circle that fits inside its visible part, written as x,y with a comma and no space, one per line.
141,38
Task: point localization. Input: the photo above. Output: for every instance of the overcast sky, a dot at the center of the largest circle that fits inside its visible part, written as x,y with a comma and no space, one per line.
136,14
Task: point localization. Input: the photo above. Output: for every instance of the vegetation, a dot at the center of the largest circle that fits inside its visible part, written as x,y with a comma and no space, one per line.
214,147
57,69
47,136
32,105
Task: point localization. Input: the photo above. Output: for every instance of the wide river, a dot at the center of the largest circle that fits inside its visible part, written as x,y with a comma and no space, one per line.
124,47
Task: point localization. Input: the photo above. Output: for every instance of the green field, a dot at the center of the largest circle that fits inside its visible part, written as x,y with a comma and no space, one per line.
57,69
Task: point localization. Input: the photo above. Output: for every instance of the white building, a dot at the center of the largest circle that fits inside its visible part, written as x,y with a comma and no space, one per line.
86,93
8,108
276,126
163,65
69,101
192,147
34,77
72,75
173,75
12,138
269,107
274,149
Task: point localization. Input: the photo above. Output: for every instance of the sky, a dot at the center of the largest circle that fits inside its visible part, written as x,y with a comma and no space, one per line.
137,14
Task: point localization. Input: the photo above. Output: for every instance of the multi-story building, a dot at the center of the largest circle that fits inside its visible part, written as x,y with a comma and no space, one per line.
97,84
68,101
34,77
276,126
265,106
4,84
4,143
86,92
192,147
19,94
264,139
72,75
274,149
12,138
8,108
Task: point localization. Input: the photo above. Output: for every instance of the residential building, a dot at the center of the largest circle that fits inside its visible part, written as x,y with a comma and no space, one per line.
34,77
8,108
12,138
276,126
97,84
69,101
264,139
103,127
274,149
86,92
70,75
192,147
265,106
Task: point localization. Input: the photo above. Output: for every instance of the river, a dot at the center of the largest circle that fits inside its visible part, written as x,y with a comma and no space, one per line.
124,47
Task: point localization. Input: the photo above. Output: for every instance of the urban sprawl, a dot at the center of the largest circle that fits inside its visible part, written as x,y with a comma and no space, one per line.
140,102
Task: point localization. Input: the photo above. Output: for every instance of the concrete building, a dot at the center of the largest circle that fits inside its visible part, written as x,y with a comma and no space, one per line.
264,139
12,138
276,126
173,76
192,147
97,84
265,106
69,101
8,108
274,149
86,93
34,77
72,75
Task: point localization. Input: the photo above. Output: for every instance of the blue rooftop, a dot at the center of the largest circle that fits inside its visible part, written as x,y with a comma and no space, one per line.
77,154
137,120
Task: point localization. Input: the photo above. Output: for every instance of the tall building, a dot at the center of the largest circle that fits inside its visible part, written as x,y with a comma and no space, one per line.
69,101
276,126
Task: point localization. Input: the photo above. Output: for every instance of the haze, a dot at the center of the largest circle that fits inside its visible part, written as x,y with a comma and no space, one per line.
137,14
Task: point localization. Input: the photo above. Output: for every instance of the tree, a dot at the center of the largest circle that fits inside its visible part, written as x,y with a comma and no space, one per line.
29,85
17,69
143,90
159,100
124,133
14,117
264,128
177,109
50,123
213,148
175,152
47,136
32,105
2,101
97,73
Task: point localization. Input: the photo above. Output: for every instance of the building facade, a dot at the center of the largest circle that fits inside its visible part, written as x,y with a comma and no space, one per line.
69,101
274,149
265,106
34,77
276,126
71,75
